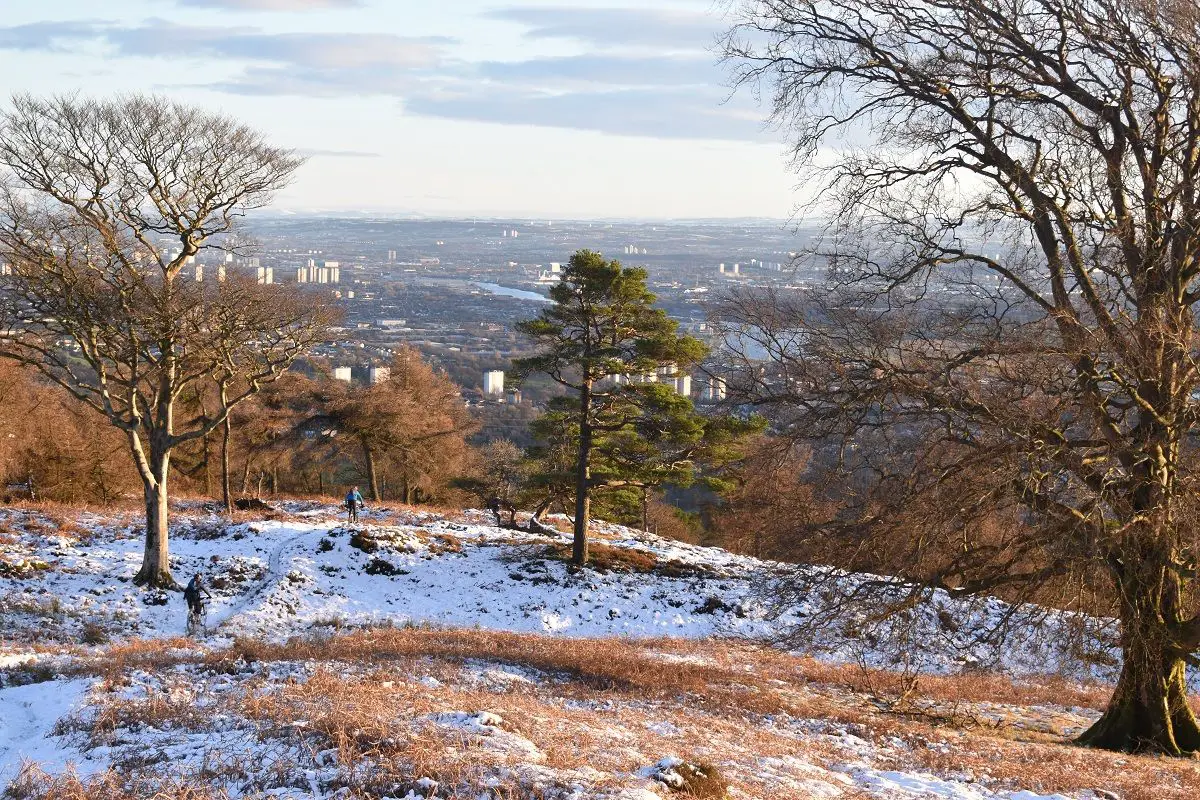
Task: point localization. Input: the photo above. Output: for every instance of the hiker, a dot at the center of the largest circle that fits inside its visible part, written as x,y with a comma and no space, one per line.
354,502
194,594
496,505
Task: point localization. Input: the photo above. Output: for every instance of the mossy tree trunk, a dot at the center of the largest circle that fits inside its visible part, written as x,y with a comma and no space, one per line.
1149,711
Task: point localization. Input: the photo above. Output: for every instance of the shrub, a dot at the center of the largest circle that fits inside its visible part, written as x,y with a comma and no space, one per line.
93,633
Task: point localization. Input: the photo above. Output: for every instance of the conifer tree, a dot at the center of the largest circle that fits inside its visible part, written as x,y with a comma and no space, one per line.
604,341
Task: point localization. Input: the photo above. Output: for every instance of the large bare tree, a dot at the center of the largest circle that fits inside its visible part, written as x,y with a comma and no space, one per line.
103,203
1014,260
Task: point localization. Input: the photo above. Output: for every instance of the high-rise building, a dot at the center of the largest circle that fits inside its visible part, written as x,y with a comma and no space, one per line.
266,275
683,385
378,374
715,391
493,382
343,374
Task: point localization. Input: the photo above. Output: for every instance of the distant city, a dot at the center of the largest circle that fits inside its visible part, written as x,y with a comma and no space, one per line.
455,289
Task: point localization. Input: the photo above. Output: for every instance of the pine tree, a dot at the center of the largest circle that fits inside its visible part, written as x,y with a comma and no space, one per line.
604,341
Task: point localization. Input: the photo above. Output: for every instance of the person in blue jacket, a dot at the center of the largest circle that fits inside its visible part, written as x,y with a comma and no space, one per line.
354,502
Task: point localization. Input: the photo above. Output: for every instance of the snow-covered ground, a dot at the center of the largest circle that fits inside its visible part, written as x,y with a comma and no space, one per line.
280,578
68,579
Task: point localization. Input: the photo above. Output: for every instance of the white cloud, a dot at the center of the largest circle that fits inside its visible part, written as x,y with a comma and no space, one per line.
272,5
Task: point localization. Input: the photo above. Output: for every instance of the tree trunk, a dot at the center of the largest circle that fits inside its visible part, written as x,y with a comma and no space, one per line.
1148,712
583,477
645,509
208,487
226,495
156,563
372,472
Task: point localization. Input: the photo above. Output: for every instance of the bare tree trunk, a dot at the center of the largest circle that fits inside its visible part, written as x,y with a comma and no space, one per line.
583,477
225,493
156,566
372,473
645,509
204,440
246,476
1149,711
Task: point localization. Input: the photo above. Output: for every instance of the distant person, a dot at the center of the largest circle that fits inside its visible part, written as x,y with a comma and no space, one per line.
194,594
497,505
354,502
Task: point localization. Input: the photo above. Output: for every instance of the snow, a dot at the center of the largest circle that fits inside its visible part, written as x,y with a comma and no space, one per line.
27,718
275,578
908,784
306,571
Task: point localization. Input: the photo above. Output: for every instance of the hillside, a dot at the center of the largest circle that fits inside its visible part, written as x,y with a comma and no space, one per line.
428,654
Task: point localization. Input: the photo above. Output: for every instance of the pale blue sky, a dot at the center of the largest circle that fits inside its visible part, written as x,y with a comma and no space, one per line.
450,107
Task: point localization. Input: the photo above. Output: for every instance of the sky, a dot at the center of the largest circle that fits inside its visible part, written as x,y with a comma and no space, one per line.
518,108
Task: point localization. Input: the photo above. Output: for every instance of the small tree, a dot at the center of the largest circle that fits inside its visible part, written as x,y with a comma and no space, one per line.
414,423
500,471
102,205
602,328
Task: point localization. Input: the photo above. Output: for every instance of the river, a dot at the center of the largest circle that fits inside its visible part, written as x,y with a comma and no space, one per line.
506,291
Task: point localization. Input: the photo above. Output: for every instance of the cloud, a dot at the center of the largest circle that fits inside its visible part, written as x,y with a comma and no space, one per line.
609,27
320,50
607,69
45,35
668,114
672,90
271,5
156,38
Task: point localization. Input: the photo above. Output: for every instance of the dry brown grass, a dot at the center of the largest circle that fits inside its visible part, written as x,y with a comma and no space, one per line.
618,705
34,784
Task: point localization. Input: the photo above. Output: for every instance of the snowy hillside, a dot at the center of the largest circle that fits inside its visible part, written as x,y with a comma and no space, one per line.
511,681
278,578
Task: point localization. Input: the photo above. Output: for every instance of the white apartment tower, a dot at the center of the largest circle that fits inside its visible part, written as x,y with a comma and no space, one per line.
493,383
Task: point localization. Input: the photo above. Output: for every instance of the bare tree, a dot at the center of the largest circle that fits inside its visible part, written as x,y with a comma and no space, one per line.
1014,259
103,204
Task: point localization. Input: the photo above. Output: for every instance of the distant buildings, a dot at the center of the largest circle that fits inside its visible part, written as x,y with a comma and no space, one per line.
552,275
714,392
319,272
343,374
378,374
493,383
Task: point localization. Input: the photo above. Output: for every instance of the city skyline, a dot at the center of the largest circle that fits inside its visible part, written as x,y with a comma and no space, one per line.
473,108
